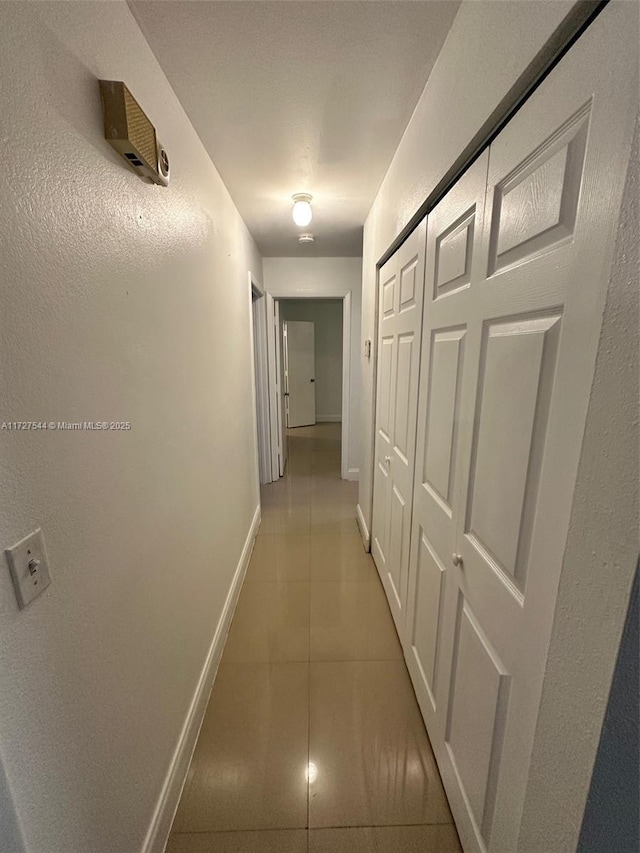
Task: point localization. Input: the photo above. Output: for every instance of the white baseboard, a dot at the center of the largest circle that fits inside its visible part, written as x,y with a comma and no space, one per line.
353,474
166,807
364,530
328,419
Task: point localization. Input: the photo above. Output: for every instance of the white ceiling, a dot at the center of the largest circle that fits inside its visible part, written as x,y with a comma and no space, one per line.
299,96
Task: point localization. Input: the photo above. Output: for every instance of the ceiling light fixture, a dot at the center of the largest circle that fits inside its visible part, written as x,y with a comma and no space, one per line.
302,209
306,238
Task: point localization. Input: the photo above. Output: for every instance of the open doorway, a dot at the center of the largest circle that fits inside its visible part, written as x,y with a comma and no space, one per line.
261,380
311,337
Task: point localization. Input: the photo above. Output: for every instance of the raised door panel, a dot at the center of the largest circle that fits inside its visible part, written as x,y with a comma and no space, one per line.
430,584
454,254
443,394
385,363
388,289
408,285
517,361
535,204
405,383
380,525
397,538
476,716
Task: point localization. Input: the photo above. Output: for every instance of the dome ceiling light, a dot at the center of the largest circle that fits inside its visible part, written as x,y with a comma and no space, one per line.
302,213
306,238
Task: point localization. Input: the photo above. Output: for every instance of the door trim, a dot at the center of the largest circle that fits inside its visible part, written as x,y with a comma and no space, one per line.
260,383
273,386
346,472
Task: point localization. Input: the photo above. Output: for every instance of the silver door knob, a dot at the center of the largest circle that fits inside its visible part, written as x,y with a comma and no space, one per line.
387,459
456,559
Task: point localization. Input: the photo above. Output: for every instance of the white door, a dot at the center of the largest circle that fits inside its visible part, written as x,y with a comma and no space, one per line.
301,373
401,285
513,306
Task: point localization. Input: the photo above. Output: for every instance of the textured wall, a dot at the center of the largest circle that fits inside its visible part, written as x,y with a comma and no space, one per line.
327,277
326,315
612,817
119,301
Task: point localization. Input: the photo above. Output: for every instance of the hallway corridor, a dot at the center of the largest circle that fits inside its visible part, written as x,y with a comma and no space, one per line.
312,739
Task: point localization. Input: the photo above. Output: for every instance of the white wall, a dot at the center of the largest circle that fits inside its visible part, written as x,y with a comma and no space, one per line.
326,278
326,315
118,301
489,45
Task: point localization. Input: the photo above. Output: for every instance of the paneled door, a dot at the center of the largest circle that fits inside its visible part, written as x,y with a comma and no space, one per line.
514,297
453,261
401,287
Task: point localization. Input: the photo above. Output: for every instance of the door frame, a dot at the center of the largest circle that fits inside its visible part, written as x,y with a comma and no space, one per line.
275,391
260,382
273,384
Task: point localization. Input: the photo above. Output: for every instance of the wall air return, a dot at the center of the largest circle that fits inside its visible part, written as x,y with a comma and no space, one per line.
131,133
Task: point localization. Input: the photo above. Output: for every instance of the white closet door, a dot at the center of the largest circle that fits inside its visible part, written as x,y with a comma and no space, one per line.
401,287
452,262
508,367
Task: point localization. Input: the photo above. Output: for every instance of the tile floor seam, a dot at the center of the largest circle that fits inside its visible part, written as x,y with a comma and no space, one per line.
308,828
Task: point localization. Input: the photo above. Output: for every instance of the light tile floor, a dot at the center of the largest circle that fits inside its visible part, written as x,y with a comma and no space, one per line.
312,741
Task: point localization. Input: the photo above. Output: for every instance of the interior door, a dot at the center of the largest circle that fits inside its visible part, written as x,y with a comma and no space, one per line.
513,308
301,370
452,263
401,286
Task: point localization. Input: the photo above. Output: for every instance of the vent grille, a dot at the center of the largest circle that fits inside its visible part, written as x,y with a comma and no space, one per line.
141,132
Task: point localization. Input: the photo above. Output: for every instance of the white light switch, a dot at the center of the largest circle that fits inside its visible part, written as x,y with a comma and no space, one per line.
29,567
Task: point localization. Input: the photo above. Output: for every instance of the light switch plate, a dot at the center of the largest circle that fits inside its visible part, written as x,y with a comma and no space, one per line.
29,567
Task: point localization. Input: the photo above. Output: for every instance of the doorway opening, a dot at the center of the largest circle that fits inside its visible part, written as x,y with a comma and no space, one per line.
312,366
260,380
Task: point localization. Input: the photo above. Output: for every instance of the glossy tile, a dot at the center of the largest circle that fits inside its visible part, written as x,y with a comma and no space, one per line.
325,463
289,518
333,518
333,491
340,557
439,838
350,620
287,493
271,623
337,744
280,557
250,763
373,762
255,841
